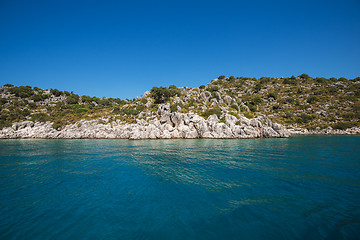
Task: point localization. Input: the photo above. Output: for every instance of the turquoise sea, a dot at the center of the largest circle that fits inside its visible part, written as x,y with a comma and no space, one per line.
305,187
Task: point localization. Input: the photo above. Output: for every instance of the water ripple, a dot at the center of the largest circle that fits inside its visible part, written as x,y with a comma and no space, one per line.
296,188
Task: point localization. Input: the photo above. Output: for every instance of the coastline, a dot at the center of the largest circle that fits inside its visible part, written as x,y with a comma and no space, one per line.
223,138
326,131
166,125
197,128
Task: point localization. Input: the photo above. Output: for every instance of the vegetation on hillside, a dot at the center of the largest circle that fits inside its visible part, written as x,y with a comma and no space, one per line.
300,101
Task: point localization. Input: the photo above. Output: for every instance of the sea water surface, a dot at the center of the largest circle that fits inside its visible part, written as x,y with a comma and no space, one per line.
305,187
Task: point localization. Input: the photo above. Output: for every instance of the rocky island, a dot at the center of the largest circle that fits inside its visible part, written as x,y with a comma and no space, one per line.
227,107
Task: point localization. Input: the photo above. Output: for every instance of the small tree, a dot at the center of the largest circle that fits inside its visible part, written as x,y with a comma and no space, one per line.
271,95
257,87
55,92
264,80
305,76
312,99
232,78
72,99
163,94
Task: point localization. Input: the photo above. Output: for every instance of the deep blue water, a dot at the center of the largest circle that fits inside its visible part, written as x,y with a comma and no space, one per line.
298,188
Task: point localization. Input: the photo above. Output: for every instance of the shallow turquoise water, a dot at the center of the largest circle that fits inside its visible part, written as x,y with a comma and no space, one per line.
298,188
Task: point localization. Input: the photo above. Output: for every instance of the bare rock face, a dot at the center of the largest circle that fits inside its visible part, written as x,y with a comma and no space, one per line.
146,94
168,125
228,99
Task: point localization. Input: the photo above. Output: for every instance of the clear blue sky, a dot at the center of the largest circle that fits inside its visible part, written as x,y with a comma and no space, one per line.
123,48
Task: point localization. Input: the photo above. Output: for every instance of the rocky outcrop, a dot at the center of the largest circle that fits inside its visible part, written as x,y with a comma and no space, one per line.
326,131
167,125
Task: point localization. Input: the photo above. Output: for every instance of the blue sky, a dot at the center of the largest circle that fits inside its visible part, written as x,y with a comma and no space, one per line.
123,48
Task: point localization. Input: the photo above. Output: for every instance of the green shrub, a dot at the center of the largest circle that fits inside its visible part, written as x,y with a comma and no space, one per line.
211,111
276,107
287,115
37,97
312,99
221,77
86,99
304,118
3,116
252,107
32,105
305,76
174,107
264,80
72,99
256,101
291,81
343,125
22,91
25,112
116,110
55,92
215,95
257,87
130,111
356,107
290,100
320,80
140,108
351,115
57,126
3,101
4,122
81,110
191,102
272,95
248,115
222,120
105,102
233,113
163,94
39,117
234,106
232,79
213,89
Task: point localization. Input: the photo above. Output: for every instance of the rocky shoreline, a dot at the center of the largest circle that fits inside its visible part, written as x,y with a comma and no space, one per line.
326,131
167,125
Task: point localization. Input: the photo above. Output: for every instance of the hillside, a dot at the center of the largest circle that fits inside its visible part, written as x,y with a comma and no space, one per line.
303,101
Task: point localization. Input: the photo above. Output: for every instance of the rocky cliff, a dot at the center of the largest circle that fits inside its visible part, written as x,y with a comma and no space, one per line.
167,125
